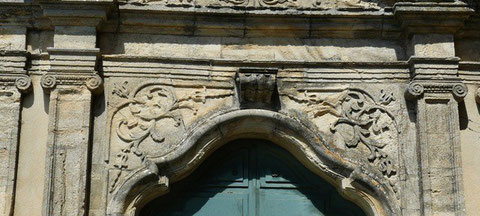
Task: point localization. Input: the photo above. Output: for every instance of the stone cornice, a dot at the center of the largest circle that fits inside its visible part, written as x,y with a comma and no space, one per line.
12,69
75,13
256,23
313,71
433,68
15,13
334,22
432,17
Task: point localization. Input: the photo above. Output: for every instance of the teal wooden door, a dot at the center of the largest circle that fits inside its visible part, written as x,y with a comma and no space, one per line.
251,178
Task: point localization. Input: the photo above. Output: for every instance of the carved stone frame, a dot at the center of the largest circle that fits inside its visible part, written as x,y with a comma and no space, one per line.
360,186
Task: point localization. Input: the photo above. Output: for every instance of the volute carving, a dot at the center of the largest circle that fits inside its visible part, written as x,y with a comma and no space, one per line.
93,82
416,89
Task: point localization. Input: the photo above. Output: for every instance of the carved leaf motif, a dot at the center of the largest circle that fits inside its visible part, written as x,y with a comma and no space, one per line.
316,106
370,121
120,90
300,4
141,116
362,119
386,97
260,2
275,2
236,2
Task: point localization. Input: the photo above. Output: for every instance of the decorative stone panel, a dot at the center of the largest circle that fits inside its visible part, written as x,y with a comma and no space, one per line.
362,125
148,120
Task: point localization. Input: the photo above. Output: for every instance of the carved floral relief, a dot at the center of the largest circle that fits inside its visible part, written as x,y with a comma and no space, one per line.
359,119
300,4
151,114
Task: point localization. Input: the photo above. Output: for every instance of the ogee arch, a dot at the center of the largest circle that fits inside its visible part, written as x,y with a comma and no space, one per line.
353,182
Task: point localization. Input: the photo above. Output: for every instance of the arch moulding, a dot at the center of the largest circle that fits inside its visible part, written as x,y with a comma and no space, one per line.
354,182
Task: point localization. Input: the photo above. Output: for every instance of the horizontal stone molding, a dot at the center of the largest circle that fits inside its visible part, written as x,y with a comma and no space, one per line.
426,68
326,17
71,13
255,23
12,70
223,70
432,17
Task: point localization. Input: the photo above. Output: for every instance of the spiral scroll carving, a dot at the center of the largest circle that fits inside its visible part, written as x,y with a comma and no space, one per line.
94,82
23,83
415,90
48,81
459,90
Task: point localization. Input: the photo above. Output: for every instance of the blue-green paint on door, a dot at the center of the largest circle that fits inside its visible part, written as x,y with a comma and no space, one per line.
251,178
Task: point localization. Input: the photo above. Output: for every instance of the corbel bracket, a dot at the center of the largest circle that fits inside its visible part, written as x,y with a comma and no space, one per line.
257,87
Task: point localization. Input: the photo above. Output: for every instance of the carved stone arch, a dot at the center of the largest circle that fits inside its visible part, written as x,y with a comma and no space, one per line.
355,183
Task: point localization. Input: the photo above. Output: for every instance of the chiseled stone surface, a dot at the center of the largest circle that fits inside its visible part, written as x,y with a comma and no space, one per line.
32,150
378,97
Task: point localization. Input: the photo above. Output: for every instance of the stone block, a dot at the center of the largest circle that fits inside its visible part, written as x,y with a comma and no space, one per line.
13,38
433,45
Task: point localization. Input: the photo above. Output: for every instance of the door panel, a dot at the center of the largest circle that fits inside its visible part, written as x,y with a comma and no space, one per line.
224,203
251,178
231,171
278,202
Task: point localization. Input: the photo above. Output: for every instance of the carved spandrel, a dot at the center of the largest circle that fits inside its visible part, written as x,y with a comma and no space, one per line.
150,119
359,123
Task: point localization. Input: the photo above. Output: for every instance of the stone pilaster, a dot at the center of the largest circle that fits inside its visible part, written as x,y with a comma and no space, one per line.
70,81
436,89
69,131
13,82
438,143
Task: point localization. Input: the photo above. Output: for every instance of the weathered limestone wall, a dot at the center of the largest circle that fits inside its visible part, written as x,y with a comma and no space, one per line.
32,151
254,49
469,117
105,104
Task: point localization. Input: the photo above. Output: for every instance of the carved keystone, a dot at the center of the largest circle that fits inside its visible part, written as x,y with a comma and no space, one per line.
257,87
